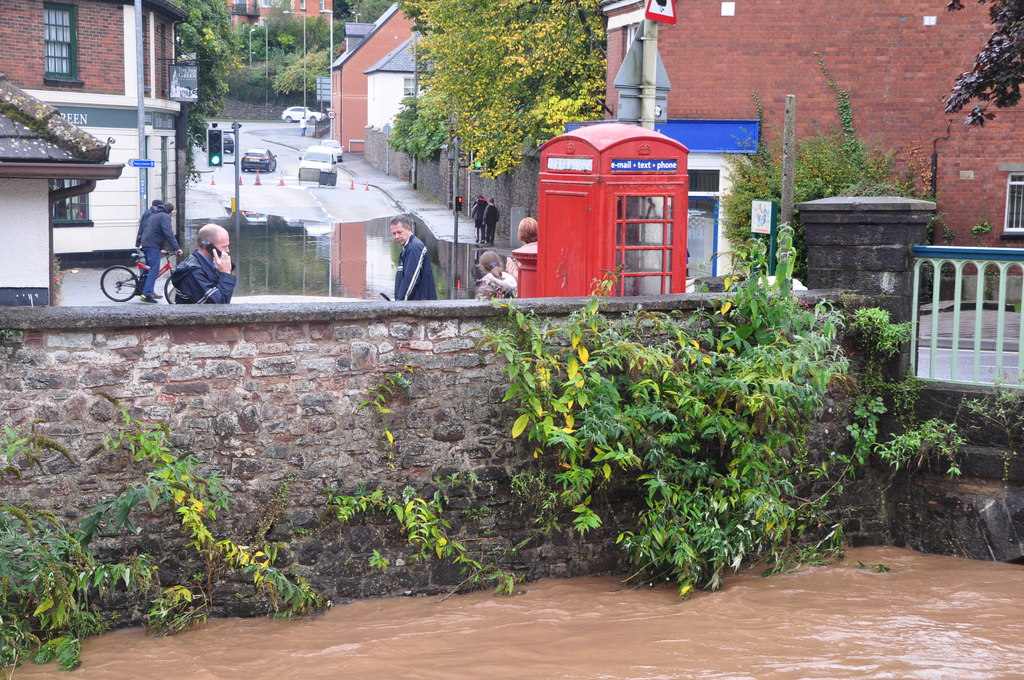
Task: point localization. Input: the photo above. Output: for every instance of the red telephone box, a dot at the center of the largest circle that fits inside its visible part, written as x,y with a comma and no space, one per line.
612,194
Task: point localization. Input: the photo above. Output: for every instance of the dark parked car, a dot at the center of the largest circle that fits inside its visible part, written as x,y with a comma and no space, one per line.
229,143
263,160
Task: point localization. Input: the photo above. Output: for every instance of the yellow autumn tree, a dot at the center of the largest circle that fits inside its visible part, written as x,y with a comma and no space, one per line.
510,73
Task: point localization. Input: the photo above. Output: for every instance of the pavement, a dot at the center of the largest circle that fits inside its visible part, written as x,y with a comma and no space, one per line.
968,318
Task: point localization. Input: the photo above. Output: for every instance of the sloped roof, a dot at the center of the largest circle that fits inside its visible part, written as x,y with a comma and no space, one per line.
33,135
381,20
31,130
398,60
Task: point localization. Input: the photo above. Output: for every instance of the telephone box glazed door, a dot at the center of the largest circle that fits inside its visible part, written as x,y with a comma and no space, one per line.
646,247
612,197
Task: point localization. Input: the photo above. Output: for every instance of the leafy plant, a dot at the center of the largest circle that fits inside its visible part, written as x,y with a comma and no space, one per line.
706,416
1004,410
380,397
425,527
48,581
195,499
914,442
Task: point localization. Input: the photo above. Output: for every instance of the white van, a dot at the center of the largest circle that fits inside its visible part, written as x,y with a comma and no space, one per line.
317,159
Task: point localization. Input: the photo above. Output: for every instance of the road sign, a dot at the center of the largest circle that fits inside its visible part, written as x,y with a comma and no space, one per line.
141,163
661,10
331,114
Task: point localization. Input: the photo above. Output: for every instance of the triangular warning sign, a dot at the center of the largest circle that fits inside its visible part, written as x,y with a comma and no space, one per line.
661,10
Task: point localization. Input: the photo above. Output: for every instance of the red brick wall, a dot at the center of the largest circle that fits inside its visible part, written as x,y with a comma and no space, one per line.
896,70
351,85
100,34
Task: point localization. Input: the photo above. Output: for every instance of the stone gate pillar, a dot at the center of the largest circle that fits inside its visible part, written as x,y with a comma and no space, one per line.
862,244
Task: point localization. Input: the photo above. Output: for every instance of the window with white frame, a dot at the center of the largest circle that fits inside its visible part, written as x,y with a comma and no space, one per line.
409,87
1015,202
59,38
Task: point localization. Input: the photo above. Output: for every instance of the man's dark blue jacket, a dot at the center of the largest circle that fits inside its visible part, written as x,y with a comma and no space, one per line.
198,282
415,277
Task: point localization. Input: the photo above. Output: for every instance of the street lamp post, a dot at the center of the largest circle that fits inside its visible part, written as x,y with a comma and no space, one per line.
330,71
250,45
288,11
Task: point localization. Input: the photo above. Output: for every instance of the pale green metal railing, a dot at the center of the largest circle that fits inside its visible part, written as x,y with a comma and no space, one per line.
993,327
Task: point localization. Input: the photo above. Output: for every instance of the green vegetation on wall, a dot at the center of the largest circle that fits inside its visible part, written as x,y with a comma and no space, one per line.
834,163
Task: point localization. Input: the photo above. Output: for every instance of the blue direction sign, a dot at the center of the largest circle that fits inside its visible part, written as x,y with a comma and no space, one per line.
141,163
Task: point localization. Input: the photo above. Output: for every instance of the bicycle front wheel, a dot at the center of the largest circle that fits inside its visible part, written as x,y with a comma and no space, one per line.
170,292
119,283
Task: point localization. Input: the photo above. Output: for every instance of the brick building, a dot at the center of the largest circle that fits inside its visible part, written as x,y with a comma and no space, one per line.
80,57
365,46
897,59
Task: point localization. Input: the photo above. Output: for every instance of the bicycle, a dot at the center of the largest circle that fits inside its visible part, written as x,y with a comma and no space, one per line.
121,283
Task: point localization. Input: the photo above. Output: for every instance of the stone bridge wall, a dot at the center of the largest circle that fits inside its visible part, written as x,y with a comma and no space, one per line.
265,393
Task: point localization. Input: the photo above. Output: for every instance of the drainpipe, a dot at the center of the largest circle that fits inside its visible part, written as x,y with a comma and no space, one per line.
935,160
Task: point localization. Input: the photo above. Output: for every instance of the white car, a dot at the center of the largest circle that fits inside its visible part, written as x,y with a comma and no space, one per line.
317,159
336,145
296,113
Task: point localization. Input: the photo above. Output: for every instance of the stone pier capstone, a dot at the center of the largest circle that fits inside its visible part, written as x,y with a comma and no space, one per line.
862,244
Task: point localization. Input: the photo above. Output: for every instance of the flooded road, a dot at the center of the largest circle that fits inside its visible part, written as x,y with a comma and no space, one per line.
927,617
275,256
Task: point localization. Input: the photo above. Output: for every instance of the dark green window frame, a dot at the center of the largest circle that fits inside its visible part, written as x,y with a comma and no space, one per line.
60,37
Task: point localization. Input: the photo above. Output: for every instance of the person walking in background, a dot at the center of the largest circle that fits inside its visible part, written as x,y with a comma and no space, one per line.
146,214
155,234
205,277
302,126
478,217
527,233
414,279
491,216
495,283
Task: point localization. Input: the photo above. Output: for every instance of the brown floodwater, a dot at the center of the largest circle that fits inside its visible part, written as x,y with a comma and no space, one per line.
928,617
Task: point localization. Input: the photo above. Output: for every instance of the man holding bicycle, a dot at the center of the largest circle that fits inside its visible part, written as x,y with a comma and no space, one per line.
155,233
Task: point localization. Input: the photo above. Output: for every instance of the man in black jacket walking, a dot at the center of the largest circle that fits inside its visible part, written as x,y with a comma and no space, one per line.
491,216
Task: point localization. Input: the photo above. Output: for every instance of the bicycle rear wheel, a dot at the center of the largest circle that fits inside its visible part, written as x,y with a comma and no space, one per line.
170,292
119,283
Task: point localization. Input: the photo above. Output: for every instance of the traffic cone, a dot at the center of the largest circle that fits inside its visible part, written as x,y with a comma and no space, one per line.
212,179
366,186
239,180
280,180
257,182
353,185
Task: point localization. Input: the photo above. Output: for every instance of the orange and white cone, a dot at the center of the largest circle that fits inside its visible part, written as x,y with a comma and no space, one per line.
353,184
257,182
280,179
213,180
240,180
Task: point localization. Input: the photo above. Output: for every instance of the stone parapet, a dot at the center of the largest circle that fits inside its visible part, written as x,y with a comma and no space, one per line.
862,244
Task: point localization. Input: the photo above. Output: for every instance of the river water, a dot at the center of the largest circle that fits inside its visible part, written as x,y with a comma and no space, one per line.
928,617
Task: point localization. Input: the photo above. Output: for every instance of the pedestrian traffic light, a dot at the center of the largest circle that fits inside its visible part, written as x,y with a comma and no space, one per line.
215,147
458,204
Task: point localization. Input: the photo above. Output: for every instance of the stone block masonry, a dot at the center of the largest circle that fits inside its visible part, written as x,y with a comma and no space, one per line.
261,394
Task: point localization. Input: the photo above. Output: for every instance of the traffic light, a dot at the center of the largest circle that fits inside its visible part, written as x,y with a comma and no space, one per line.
215,147
458,204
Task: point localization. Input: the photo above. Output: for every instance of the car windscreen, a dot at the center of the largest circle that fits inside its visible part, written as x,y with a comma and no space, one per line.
318,157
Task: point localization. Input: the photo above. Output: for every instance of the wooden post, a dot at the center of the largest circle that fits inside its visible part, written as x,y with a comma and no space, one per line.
788,160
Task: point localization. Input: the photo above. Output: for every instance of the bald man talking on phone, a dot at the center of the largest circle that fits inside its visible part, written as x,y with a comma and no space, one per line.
205,277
